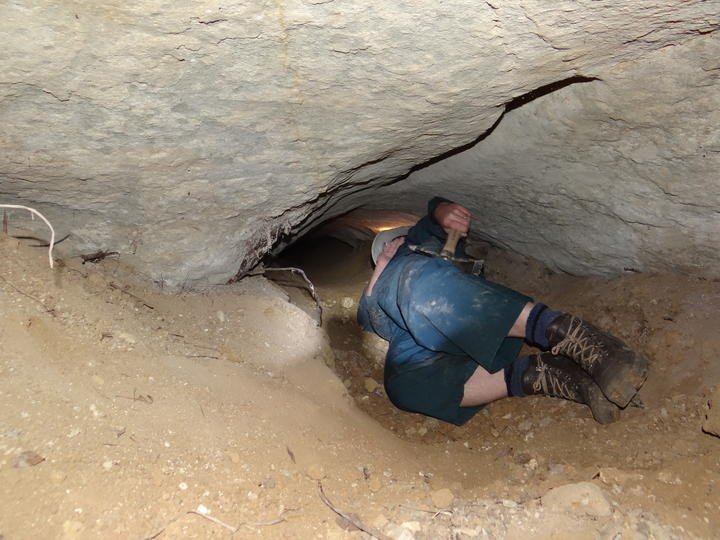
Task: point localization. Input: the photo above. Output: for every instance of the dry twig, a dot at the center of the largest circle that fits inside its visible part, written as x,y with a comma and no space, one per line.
136,297
347,517
145,398
31,297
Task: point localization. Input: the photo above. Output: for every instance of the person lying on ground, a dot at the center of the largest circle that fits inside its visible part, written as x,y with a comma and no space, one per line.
454,337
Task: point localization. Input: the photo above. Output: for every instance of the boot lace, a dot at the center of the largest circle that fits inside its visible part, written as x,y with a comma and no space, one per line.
579,344
549,385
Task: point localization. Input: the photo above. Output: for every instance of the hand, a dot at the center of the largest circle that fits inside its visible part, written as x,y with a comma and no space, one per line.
453,216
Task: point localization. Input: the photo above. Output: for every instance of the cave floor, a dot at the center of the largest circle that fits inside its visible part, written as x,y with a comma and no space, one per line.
127,412
657,454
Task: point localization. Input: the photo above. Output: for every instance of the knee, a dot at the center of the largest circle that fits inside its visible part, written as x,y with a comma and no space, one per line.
403,396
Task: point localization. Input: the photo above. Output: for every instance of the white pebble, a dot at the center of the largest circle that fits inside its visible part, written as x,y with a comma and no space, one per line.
183,486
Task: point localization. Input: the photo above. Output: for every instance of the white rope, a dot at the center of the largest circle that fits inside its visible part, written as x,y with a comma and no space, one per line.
33,211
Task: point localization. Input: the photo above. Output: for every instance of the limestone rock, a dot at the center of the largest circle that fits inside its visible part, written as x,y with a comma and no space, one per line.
583,498
190,136
611,175
370,385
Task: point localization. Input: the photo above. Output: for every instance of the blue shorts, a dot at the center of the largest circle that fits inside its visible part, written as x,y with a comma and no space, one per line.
433,387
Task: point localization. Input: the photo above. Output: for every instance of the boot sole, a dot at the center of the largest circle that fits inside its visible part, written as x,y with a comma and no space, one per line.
603,410
621,385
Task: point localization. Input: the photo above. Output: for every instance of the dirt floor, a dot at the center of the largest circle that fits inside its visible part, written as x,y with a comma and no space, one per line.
128,412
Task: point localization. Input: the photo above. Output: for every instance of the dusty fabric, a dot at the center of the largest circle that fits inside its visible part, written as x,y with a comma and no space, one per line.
425,306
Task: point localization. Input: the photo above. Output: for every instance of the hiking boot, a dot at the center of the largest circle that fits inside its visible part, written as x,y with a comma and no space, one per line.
558,376
616,368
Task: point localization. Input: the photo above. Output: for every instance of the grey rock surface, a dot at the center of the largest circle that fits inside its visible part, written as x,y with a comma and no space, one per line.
189,136
612,175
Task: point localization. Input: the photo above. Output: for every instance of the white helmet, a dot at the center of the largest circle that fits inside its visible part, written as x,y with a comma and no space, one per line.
385,237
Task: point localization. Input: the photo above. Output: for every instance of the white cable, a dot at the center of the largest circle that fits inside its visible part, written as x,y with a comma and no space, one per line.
33,211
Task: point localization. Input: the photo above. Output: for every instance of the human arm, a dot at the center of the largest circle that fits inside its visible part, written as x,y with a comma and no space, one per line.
383,259
430,234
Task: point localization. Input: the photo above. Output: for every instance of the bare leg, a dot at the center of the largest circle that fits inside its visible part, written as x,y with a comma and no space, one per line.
483,387
518,329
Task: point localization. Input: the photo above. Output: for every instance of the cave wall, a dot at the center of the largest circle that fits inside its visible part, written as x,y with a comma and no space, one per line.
600,177
189,136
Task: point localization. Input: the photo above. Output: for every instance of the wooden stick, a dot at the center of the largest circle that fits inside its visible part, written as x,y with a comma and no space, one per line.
448,251
347,517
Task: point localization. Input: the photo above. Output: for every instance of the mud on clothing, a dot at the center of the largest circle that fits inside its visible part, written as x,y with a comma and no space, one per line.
441,324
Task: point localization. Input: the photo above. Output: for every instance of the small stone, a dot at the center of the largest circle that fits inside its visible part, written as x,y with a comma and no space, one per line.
348,302
127,338
107,465
202,509
442,498
507,503
401,533
580,498
432,423
28,459
370,385
183,486
221,316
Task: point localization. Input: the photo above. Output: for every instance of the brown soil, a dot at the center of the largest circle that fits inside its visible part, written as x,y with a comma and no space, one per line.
129,413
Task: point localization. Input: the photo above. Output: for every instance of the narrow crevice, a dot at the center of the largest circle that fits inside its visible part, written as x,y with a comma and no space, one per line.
511,105
545,90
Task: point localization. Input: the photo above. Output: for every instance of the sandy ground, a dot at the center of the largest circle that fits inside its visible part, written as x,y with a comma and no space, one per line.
127,412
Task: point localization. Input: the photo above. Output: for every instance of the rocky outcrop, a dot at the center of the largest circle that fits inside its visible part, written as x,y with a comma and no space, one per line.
612,175
190,136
